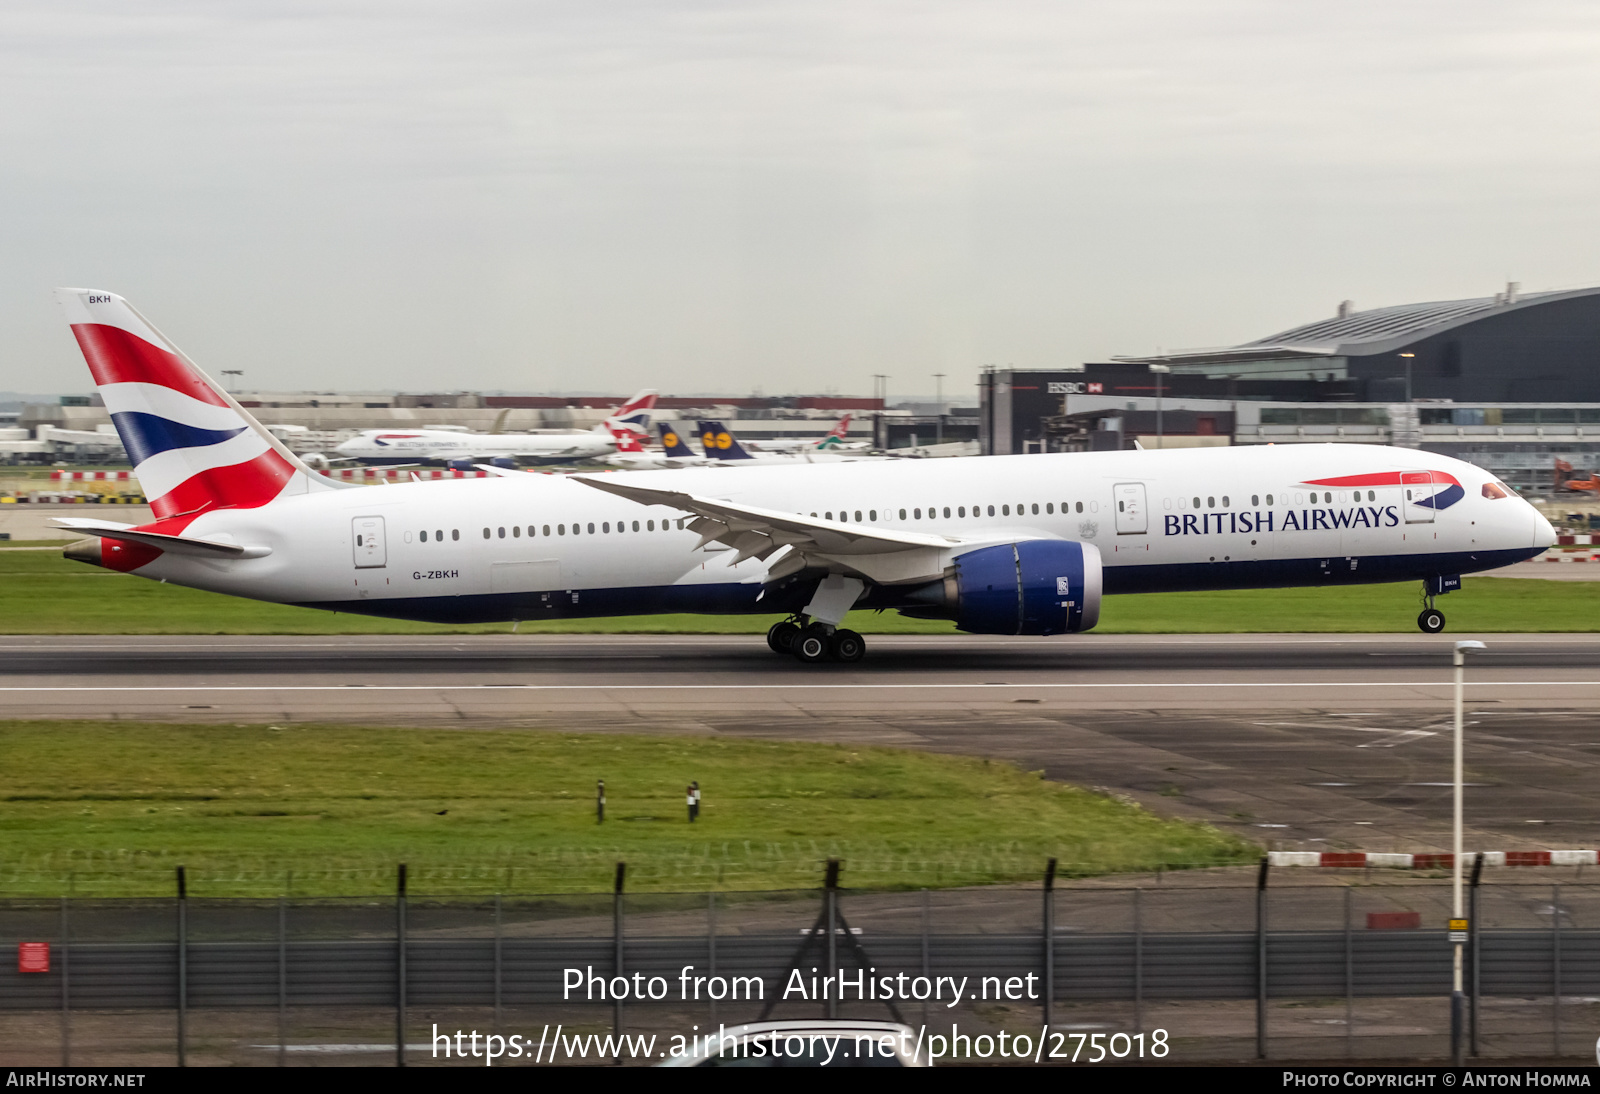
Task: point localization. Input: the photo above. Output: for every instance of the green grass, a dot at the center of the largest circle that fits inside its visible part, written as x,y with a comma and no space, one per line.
97,808
45,594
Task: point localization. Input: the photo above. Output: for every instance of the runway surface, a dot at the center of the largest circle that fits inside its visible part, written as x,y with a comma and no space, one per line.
1296,739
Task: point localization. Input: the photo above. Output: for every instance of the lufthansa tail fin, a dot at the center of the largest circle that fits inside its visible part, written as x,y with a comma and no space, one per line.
193,447
720,443
672,442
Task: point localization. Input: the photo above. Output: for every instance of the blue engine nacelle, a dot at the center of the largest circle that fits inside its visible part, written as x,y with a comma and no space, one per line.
460,465
504,461
1037,586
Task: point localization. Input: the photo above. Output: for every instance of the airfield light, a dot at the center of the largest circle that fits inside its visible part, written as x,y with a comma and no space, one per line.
1458,923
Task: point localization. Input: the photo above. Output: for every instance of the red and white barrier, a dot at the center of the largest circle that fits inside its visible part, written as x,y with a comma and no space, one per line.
399,474
1429,860
92,476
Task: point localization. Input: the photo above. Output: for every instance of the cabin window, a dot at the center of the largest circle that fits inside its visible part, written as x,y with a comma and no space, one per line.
516,531
1079,507
533,531
1211,503
1049,507
1197,503
502,533
486,533
1005,510
961,512
1035,508
635,526
828,515
408,537
650,525
1371,496
1224,501
424,535
455,533
946,510
916,514
606,527
902,514
1255,499
858,516
1269,499
547,529
561,529
358,539
872,514
591,528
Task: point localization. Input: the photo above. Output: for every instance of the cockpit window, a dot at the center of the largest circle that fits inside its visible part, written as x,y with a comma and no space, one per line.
1494,490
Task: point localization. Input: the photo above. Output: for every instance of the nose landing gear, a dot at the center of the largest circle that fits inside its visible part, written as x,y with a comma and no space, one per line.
1431,621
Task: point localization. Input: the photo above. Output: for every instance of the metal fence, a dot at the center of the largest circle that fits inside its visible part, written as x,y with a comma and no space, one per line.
1303,972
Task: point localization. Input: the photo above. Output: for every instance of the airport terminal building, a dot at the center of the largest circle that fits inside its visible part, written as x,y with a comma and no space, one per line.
1510,382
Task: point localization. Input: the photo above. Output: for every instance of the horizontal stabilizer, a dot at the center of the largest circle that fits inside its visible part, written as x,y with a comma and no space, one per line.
178,545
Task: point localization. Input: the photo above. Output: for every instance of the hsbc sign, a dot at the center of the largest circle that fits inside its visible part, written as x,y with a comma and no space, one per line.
1076,388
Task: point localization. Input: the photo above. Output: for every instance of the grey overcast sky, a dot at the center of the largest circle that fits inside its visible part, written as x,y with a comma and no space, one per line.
786,196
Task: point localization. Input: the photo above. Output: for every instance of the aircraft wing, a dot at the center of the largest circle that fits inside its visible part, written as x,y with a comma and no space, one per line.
792,542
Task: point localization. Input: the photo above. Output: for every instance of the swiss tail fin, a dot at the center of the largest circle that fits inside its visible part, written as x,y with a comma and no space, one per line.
836,435
720,443
672,442
193,447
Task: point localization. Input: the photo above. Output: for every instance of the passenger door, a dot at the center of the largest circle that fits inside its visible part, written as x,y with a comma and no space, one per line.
1131,519
368,543
1417,487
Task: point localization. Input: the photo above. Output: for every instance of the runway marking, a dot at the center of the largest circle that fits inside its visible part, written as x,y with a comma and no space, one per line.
1142,685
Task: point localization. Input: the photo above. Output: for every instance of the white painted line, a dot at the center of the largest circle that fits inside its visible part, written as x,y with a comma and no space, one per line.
1143,685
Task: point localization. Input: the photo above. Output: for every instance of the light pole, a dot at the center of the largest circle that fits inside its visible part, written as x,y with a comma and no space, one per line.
1408,357
938,407
1159,370
1458,922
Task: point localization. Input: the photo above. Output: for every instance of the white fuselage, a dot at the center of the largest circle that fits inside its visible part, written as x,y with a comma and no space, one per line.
1215,518
413,445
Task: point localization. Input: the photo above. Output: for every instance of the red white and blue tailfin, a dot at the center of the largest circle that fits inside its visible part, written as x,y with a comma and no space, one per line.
633,416
836,435
193,447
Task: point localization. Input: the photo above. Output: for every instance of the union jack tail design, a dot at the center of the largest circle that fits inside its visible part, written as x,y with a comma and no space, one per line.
632,418
193,447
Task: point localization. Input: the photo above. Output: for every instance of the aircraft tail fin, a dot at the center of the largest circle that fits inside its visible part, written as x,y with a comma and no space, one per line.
836,435
720,443
672,441
193,447
632,416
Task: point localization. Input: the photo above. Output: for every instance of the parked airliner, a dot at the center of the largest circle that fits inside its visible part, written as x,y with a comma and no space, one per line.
999,544
400,446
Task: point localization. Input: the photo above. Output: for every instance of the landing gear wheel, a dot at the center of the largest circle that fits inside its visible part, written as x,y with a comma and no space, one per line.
848,646
1431,620
780,639
811,645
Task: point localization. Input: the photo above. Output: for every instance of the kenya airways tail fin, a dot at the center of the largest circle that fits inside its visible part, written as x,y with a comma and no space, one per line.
836,435
193,447
720,443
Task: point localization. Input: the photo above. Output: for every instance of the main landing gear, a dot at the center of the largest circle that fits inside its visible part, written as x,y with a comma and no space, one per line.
816,642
